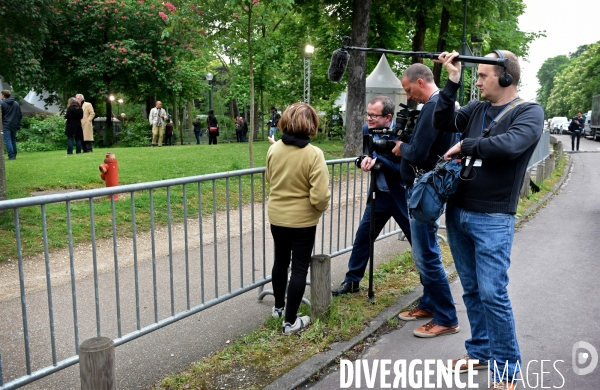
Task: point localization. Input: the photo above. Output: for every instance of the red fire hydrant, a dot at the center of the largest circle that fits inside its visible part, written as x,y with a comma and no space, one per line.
109,171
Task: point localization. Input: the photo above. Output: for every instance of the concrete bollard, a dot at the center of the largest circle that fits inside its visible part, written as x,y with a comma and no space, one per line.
539,173
97,364
552,157
525,189
320,285
558,151
547,168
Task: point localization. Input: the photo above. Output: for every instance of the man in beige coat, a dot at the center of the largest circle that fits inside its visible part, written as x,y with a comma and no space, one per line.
86,123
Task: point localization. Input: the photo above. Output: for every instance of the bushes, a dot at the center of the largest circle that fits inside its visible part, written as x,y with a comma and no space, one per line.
135,134
40,134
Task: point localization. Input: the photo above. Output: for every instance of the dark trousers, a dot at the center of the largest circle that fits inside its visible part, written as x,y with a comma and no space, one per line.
212,138
198,135
70,144
573,135
238,136
385,207
169,140
88,146
10,142
295,244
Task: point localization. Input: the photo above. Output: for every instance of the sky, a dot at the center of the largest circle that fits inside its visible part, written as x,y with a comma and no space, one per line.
568,25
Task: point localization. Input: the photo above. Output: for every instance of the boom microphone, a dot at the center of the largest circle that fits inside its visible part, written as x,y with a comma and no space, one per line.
338,64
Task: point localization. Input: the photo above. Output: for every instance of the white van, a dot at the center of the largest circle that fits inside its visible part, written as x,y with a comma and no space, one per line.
587,131
557,123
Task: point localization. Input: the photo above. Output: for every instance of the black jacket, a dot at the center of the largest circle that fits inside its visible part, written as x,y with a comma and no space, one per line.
427,145
11,113
578,123
73,127
197,126
495,185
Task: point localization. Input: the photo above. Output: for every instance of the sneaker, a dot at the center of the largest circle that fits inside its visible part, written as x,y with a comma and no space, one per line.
481,365
431,329
503,386
301,323
277,313
415,314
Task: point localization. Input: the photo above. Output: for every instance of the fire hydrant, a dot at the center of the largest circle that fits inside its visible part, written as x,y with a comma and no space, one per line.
109,172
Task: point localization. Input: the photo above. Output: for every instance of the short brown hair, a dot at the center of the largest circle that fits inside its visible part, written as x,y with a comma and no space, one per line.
418,71
513,68
6,93
299,118
73,102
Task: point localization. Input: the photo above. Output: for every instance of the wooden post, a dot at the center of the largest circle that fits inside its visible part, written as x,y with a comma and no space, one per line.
320,285
552,161
558,150
97,364
525,188
547,168
539,173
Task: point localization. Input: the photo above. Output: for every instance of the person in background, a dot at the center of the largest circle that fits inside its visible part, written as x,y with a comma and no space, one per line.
168,132
272,123
243,126
197,129
157,120
11,123
238,132
86,123
73,129
213,127
299,193
576,126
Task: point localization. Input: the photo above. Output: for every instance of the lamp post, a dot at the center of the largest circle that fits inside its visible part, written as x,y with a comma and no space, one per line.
308,52
209,77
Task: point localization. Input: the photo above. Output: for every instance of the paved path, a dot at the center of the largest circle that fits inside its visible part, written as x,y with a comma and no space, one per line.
553,287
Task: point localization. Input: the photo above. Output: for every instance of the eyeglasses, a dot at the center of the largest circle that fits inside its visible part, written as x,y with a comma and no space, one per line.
374,116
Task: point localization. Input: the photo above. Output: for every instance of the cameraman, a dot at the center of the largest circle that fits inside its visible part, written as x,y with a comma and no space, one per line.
391,197
421,154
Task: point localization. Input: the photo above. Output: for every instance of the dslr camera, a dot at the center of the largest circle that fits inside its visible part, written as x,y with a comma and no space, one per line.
406,119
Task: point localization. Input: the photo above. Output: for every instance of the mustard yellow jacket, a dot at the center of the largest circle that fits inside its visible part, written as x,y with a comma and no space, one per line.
299,185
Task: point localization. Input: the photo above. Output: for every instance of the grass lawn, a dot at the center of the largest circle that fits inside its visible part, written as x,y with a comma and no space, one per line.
46,171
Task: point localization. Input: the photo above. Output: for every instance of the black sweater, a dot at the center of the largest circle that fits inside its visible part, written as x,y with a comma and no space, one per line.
495,185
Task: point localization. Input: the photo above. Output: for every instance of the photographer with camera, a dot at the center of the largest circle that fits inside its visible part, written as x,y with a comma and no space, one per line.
420,155
391,198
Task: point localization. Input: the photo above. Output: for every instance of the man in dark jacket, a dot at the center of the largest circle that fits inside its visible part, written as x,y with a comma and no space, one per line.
576,127
421,154
11,122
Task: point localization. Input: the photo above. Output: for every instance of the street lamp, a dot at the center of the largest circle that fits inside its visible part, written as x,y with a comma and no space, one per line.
308,52
209,77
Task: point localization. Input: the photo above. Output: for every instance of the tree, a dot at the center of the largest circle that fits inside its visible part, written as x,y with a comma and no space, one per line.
546,75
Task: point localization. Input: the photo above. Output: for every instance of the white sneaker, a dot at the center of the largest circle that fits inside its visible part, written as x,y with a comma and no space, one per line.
301,323
277,313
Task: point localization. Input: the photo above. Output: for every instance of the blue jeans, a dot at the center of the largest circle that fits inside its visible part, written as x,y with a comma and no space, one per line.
10,140
198,135
385,207
427,255
481,245
272,132
70,144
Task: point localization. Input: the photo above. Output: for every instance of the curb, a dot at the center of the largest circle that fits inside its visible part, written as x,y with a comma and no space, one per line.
301,375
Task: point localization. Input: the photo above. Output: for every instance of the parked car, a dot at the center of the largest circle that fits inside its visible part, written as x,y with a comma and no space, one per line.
557,123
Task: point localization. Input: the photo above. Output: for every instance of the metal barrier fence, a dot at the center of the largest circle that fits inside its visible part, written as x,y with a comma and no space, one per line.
162,252
541,151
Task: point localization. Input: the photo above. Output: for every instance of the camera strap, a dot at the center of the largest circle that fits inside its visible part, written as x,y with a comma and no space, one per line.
486,132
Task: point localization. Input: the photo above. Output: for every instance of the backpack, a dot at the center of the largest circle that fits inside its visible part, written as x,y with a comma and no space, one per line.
431,191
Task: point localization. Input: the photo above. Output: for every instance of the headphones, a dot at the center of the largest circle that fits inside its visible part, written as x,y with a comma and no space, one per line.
506,79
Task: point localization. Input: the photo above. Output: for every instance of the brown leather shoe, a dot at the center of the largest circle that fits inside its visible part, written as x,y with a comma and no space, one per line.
431,329
481,365
415,314
503,386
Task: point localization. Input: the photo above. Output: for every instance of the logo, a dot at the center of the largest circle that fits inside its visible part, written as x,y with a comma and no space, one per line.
580,358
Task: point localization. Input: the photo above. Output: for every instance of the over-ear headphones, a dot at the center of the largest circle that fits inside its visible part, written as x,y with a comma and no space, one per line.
506,79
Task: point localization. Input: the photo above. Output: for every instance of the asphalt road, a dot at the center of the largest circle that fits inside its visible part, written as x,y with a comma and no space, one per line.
553,288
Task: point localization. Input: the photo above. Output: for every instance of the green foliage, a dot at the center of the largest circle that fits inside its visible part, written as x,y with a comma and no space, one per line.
548,71
39,134
575,85
136,134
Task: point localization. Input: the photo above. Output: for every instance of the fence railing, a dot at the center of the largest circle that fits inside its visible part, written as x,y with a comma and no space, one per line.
162,252
541,151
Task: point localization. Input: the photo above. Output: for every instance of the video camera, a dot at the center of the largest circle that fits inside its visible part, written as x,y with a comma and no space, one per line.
406,119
